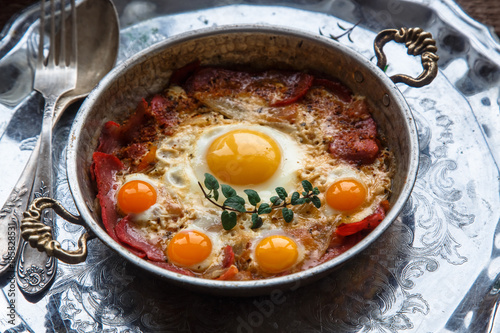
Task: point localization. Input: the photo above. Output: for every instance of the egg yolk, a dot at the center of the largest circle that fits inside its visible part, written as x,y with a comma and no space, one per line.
346,195
243,157
189,247
136,196
275,254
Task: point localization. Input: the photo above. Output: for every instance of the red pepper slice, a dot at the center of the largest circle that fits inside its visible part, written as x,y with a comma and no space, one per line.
369,223
299,84
229,274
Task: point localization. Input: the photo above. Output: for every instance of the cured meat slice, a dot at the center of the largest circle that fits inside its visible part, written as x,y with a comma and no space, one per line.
109,140
180,76
161,110
127,234
336,88
105,167
278,88
228,256
340,245
358,143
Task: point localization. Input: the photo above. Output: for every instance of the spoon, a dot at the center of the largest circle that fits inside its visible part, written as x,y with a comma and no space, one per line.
98,39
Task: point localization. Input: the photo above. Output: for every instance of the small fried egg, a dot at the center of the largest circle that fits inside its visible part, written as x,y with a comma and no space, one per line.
194,248
275,252
348,194
136,195
143,196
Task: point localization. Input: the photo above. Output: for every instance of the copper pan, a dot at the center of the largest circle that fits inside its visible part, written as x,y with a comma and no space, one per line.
256,46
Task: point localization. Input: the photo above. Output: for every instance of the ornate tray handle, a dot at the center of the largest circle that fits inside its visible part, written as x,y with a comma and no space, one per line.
39,235
418,42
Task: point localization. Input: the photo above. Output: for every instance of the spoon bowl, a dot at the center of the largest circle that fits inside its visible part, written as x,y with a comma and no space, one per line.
97,48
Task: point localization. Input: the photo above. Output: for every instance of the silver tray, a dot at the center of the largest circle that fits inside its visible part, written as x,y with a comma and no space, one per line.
434,270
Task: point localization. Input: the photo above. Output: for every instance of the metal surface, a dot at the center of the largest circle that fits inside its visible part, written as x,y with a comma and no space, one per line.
439,253
256,46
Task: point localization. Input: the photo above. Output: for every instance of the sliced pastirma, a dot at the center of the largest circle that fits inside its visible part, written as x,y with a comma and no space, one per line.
105,167
128,234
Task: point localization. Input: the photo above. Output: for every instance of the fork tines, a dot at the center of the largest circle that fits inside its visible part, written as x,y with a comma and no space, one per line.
58,57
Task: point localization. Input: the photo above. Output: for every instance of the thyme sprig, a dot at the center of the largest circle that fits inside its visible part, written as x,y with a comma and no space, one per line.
236,204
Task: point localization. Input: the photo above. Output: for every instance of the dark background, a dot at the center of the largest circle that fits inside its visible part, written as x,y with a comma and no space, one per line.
484,11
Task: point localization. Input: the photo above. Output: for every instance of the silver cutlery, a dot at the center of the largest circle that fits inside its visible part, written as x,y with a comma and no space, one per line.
91,14
55,75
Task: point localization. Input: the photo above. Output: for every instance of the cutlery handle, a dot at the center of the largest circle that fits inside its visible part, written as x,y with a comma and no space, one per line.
476,312
17,202
42,186
36,269
11,214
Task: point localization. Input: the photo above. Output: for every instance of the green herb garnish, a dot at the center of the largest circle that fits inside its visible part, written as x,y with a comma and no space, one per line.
234,203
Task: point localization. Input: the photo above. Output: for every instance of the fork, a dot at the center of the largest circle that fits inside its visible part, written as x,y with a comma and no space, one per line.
54,76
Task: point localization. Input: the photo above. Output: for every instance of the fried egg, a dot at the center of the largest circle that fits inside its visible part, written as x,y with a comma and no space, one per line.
240,155
275,252
194,248
137,194
249,156
145,197
349,193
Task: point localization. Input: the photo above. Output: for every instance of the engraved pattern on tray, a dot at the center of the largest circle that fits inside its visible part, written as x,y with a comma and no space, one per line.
410,280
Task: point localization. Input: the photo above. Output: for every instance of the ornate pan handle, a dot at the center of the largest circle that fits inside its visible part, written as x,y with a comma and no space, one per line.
418,42
39,235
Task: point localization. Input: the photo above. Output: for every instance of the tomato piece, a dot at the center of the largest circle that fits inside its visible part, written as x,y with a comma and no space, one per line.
369,223
347,229
148,159
298,85
229,274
